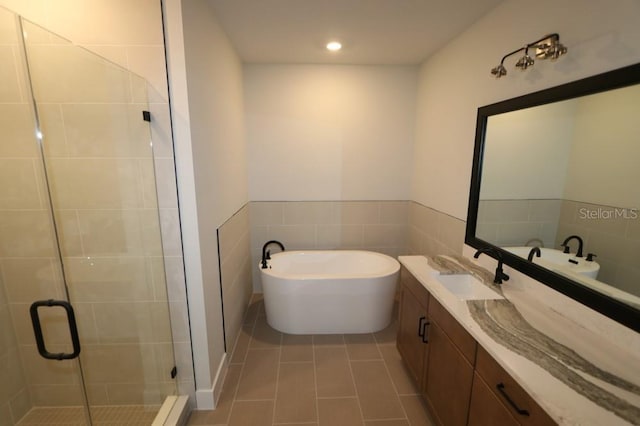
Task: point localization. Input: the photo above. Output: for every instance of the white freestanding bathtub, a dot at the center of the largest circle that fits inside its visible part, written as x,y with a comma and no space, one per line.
329,292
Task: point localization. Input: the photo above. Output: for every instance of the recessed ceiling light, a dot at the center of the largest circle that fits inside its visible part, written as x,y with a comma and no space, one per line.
334,46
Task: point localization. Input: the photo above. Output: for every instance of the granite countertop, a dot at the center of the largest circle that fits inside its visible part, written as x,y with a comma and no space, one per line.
576,376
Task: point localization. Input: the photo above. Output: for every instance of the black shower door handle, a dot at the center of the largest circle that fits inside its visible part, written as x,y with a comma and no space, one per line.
37,329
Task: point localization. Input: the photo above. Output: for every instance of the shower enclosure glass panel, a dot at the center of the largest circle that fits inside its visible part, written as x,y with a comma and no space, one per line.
30,268
79,222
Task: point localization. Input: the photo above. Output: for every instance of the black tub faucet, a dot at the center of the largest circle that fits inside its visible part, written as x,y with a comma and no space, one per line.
566,246
500,275
266,255
534,251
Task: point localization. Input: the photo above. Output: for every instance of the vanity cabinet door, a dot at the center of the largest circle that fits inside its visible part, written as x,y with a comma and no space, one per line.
512,396
409,340
486,409
448,379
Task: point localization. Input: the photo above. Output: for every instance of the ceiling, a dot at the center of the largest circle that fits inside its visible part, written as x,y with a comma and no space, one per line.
371,31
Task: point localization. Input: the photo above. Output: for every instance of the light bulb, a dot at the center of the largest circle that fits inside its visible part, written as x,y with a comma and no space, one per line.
334,46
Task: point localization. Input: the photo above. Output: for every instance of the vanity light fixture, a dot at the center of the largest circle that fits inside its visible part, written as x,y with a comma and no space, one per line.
548,47
334,46
526,61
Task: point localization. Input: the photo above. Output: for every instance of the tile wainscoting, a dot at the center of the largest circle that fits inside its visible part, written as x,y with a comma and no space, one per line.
235,272
380,226
433,232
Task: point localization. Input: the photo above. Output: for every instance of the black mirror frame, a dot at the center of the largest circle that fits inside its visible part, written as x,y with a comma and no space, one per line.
612,308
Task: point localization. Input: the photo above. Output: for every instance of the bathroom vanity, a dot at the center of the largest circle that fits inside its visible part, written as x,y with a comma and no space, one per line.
477,361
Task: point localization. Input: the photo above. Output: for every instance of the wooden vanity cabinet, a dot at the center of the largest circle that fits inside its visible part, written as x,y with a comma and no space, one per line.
429,341
508,393
486,409
460,382
448,375
412,324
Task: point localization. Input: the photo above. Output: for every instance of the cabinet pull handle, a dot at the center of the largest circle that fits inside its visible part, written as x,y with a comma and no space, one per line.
500,387
424,335
421,327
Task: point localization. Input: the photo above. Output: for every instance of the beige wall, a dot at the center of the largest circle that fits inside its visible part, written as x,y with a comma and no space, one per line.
327,132
456,81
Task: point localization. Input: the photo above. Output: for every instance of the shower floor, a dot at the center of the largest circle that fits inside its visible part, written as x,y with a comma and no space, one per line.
133,415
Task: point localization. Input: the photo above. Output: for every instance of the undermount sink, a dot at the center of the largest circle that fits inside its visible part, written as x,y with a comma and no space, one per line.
467,287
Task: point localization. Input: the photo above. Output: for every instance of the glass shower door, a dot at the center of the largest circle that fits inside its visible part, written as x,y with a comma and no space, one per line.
30,266
79,223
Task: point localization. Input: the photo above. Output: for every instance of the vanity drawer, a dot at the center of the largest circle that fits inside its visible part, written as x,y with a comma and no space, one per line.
509,392
465,343
419,292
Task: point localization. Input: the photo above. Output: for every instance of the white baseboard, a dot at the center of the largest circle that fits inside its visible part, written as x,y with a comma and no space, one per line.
219,379
207,399
204,399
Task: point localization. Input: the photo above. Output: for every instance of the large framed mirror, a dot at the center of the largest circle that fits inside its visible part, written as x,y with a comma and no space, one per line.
555,187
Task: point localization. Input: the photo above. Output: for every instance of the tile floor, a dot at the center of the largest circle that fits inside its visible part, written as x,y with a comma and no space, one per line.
333,380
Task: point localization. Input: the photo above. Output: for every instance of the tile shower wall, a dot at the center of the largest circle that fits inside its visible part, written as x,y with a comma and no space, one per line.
235,262
14,393
371,225
516,222
432,232
615,239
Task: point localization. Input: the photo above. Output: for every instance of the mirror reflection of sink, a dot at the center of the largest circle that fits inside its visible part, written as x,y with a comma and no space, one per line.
558,261
467,287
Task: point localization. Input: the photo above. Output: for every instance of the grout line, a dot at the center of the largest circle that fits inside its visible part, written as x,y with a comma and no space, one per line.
315,379
386,367
257,400
235,392
275,397
338,397
355,386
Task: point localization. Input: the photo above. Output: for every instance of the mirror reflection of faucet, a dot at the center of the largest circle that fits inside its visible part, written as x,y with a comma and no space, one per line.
565,244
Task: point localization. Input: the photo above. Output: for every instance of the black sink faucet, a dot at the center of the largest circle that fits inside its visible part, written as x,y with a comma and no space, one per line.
566,246
266,255
500,275
534,251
